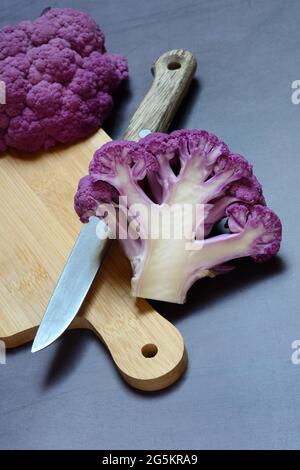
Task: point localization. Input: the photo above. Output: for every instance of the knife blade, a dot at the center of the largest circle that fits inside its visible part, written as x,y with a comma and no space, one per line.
173,73
74,282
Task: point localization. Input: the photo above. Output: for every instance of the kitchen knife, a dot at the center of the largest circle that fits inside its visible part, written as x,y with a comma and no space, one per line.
173,73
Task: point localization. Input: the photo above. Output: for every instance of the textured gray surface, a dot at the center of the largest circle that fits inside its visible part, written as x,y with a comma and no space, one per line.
241,389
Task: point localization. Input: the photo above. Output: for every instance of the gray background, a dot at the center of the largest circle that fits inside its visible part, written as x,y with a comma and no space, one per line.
241,389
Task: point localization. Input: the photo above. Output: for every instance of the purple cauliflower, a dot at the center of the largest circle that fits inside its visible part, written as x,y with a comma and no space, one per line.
59,80
161,174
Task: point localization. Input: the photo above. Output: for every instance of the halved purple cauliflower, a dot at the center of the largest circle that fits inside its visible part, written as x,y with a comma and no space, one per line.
156,178
59,80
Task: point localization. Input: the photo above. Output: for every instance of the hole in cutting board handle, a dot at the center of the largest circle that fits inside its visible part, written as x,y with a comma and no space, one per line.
174,65
149,350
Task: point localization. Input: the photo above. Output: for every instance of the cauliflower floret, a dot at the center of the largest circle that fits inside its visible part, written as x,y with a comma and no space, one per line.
162,173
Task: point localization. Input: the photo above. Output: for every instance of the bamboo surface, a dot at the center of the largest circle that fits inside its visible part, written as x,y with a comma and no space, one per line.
38,229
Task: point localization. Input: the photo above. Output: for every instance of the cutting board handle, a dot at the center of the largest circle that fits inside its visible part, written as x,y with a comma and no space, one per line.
147,349
173,73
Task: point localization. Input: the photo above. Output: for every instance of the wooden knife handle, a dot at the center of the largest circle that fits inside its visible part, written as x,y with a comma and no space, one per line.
147,349
173,73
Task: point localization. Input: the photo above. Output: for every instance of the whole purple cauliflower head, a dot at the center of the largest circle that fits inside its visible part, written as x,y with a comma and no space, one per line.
59,80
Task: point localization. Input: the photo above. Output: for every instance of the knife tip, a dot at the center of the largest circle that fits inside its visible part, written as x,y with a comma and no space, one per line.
37,346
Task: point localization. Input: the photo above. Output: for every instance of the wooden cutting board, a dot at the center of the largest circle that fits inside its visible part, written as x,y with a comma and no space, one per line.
38,229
